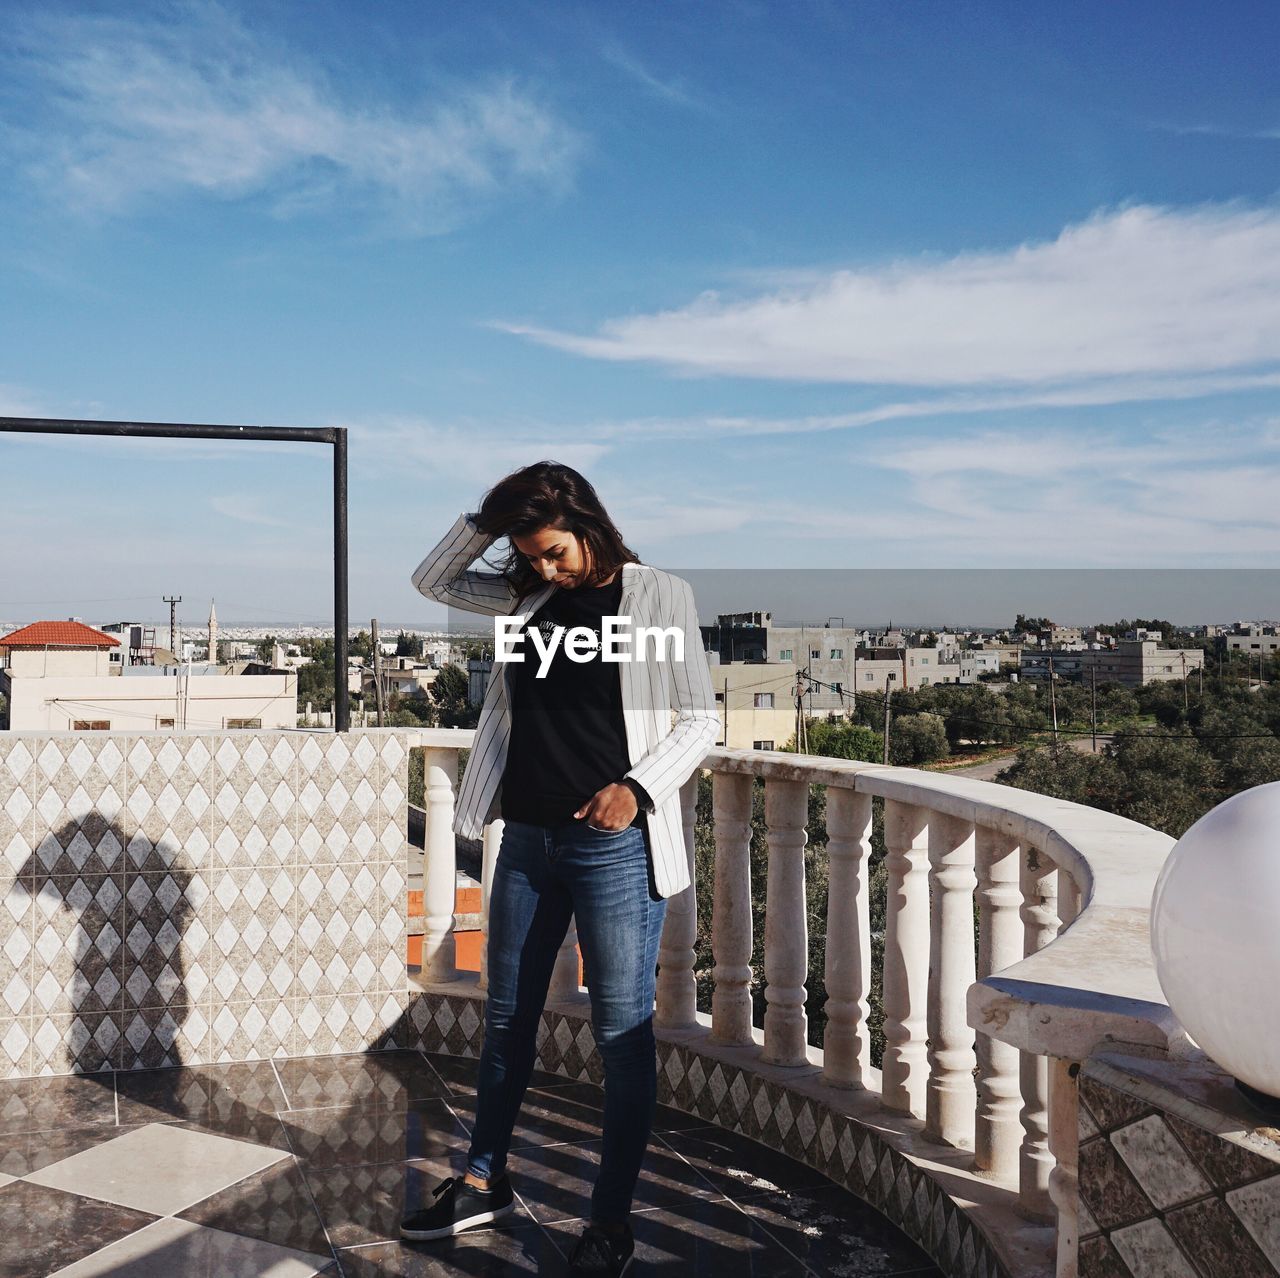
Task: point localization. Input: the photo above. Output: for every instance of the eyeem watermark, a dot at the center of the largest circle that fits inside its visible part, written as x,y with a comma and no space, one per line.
613,642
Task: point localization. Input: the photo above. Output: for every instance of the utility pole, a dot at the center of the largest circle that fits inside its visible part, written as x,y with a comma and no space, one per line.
1184,681
173,601
377,670
1093,707
1053,705
802,727
888,688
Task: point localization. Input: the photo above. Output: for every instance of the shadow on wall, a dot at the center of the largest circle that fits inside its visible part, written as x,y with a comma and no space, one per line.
110,989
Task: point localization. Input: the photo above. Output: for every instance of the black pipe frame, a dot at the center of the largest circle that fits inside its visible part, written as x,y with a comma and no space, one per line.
336,436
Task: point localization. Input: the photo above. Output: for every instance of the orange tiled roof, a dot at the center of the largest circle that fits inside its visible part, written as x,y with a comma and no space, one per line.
57,634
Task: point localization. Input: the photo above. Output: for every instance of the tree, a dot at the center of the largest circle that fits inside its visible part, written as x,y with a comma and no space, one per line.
449,692
315,679
1078,778
918,738
836,739
1164,782
361,645
406,645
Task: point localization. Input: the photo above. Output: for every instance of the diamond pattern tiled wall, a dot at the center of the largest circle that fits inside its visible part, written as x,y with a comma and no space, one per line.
175,898
1163,1198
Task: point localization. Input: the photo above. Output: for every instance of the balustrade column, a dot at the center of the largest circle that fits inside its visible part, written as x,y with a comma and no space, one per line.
950,1097
846,1046
786,930
1064,1144
564,975
906,957
1000,945
439,865
731,938
1038,878
491,843
1068,898
677,992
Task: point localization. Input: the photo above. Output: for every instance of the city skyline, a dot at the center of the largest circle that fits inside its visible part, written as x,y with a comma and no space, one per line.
877,598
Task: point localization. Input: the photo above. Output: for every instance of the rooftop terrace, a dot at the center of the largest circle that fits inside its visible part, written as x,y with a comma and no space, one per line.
211,1040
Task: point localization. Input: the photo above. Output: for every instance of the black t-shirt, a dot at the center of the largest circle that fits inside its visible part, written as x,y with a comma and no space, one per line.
568,738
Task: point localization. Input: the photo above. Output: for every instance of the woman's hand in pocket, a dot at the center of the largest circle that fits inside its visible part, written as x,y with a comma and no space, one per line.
613,807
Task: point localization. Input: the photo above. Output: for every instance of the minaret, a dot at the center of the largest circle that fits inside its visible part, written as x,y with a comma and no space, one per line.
213,635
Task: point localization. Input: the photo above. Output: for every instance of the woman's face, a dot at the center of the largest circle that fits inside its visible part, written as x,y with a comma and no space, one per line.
556,555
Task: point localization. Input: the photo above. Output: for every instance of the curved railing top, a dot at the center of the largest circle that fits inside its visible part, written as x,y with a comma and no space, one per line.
1096,981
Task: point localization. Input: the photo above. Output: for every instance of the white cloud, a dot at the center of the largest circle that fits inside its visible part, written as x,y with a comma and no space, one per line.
1138,293
742,426
472,453
137,107
672,91
1084,498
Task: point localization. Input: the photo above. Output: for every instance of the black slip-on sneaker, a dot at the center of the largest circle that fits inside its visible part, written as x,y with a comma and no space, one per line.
602,1253
458,1206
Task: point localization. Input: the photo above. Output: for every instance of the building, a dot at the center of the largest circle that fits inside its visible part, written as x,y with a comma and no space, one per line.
1134,663
756,701
975,662
1060,636
59,676
739,636
137,643
1252,639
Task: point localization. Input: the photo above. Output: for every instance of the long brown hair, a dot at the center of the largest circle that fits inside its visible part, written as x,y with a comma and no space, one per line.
548,494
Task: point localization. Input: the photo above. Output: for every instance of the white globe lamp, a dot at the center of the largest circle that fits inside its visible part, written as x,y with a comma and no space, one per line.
1215,934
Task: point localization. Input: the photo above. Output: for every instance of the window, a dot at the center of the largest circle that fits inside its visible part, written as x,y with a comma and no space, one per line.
924,661
924,681
164,723
762,745
763,701
815,653
785,655
719,696
837,654
244,723
868,678
91,725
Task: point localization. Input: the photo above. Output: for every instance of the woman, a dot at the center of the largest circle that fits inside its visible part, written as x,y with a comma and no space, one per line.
582,763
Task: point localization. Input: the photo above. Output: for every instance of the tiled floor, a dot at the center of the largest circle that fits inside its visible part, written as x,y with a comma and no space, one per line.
304,1166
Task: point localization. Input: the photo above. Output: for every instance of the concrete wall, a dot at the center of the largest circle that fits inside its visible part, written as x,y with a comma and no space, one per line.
36,663
136,703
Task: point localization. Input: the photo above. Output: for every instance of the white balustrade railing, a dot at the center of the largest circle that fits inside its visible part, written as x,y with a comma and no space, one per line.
982,1034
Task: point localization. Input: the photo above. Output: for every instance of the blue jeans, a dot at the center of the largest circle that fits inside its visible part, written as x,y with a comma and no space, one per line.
544,876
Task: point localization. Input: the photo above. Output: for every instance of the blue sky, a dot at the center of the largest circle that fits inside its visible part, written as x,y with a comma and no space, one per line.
795,285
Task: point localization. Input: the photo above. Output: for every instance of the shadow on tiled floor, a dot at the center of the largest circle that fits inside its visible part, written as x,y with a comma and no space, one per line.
304,1166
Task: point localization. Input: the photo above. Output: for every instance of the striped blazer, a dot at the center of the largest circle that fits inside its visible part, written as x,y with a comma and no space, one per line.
663,754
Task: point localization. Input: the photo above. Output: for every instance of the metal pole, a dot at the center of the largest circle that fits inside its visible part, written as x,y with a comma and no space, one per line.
1093,707
1053,704
888,688
342,705
334,435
